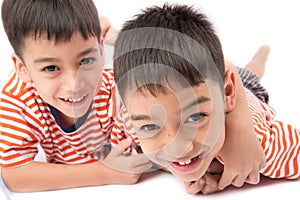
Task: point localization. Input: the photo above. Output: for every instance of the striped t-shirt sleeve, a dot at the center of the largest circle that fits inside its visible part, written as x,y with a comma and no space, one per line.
18,144
123,128
280,141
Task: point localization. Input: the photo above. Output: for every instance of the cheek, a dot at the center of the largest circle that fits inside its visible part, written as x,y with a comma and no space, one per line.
95,79
91,77
210,136
149,145
219,143
221,140
45,87
46,90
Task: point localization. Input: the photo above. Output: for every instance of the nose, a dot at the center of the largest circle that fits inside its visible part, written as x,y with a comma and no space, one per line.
178,148
178,143
72,80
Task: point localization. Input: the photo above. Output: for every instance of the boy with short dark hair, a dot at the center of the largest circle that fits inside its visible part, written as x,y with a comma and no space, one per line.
62,97
170,72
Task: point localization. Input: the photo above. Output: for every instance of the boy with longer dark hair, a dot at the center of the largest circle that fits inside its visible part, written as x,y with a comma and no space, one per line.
170,72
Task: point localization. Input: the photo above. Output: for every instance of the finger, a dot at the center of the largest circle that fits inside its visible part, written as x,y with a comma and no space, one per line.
194,187
226,179
137,147
135,164
239,180
253,178
207,189
211,185
212,180
122,146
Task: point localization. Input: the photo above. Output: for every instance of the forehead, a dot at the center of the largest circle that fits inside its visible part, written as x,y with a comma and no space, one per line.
43,46
42,38
170,98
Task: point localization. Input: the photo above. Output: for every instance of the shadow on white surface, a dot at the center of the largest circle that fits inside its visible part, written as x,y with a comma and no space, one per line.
161,185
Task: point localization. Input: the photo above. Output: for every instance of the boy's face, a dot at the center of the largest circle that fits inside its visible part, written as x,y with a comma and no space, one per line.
66,75
174,129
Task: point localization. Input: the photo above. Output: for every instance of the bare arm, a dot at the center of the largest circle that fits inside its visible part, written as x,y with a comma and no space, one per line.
44,176
242,153
115,169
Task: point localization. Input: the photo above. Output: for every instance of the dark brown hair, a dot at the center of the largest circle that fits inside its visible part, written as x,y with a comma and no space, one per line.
166,45
56,19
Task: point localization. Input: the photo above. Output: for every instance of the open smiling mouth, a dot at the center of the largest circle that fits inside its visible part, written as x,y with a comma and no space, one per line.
188,165
74,101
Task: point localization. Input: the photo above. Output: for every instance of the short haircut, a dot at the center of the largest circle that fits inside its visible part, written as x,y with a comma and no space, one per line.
162,40
55,19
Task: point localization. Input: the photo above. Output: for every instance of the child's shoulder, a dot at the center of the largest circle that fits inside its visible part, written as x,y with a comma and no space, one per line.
261,112
16,91
108,76
109,71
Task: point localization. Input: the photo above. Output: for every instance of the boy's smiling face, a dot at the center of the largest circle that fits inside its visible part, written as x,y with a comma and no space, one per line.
66,75
175,129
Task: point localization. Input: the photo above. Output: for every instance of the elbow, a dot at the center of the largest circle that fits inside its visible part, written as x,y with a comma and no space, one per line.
11,180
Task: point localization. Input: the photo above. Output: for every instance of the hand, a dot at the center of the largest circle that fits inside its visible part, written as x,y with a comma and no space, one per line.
108,32
128,168
243,158
208,183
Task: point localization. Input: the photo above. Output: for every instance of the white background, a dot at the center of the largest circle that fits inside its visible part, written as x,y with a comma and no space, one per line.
242,25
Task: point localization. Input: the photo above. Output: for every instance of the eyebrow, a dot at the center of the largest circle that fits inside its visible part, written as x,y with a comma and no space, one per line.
197,101
193,103
45,59
52,59
140,117
88,51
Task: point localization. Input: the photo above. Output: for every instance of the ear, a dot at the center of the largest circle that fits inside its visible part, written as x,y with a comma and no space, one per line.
102,53
20,68
101,45
230,91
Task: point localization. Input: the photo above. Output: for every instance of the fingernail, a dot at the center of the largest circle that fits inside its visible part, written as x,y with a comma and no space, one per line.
202,181
221,187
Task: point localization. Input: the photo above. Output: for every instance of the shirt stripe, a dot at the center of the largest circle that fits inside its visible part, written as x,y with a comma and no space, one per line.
26,121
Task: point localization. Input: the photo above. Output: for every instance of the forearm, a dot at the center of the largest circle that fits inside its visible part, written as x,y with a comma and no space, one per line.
38,176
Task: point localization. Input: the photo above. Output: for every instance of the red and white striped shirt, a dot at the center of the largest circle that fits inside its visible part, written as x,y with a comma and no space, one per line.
26,121
280,141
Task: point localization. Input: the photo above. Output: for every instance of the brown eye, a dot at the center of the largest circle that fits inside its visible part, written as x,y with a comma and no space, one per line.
50,68
86,61
149,127
195,117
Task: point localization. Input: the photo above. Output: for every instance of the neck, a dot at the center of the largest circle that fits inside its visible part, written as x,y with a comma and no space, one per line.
65,120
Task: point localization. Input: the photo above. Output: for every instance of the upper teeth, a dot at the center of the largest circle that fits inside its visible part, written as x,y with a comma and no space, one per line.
185,162
74,100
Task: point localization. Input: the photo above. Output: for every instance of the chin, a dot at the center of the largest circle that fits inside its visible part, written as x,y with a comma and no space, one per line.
189,177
